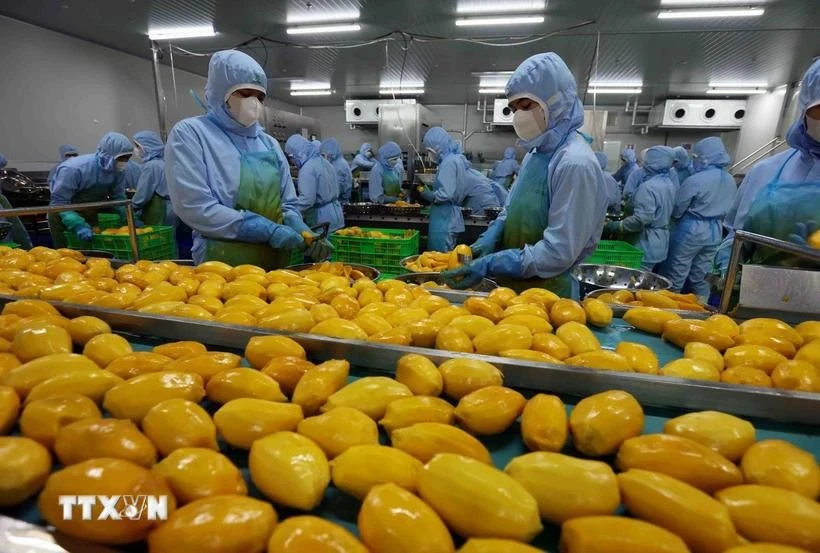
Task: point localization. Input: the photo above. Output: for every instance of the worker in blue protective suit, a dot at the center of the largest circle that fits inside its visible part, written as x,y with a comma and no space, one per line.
364,160
66,151
648,225
12,229
683,164
504,171
701,204
780,196
332,152
385,180
229,180
448,191
88,178
151,200
318,197
629,163
556,208
613,193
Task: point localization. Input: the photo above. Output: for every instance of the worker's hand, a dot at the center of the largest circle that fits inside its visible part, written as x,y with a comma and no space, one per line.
285,238
483,246
320,250
428,195
84,233
802,232
466,276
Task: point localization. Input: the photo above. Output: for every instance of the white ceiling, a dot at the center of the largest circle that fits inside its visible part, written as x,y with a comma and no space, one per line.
416,40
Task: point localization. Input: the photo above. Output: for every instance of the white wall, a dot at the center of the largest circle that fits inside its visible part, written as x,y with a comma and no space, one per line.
761,121
56,89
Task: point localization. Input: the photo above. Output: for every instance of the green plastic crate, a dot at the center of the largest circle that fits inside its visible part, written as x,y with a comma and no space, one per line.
108,220
12,245
297,257
74,243
385,254
616,252
154,245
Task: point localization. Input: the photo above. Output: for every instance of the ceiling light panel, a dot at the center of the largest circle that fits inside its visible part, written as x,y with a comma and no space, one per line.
317,16
311,92
173,33
736,91
401,91
499,20
307,85
314,29
710,3
499,6
710,13
491,91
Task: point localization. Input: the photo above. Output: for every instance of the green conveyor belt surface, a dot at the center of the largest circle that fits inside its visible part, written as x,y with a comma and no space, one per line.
343,509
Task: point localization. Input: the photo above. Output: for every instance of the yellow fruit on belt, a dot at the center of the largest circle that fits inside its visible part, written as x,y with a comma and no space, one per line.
424,440
195,472
610,534
242,421
309,533
728,435
339,429
600,423
407,411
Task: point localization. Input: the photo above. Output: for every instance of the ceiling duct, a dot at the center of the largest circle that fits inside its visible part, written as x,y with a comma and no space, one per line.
698,114
366,112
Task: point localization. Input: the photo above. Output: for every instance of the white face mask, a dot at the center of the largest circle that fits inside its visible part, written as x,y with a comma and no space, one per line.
530,124
246,111
813,128
392,160
121,165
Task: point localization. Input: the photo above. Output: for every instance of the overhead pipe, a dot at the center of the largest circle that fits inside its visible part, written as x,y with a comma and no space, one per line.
162,106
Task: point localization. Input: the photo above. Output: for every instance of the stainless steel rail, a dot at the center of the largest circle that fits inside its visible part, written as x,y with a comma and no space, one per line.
651,391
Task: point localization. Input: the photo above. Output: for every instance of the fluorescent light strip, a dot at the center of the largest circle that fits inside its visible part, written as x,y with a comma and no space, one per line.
309,86
736,91
738,85
324,17
493,83
710,3
698,14
311,92
625,84
401,86
502,7
512,20
491,91
312,29
401,91
615,90
181,32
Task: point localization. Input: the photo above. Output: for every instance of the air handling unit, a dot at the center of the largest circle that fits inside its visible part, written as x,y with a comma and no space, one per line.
698,114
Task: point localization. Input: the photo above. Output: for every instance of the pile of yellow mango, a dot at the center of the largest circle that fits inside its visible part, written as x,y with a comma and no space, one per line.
436,262
124,230
663,299
357,232
704,484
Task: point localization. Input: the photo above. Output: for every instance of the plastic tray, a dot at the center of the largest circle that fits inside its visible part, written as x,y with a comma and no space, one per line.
385,254
157,244
616,252
108,220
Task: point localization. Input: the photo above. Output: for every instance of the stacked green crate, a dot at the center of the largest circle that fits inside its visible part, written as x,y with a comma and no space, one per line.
616,252
385,254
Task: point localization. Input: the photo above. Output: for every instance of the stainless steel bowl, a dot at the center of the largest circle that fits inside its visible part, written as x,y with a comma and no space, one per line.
611,277
485,285
366,270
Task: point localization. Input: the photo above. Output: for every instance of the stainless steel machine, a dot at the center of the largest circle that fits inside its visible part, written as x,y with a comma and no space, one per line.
282,124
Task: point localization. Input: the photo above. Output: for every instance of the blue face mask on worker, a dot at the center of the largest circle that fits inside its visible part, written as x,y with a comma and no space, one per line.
392,160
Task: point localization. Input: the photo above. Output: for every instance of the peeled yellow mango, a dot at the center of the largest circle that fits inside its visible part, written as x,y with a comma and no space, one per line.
453,339
655,299
424,440
764,548
526,309
704,352
502,295
478,500
287,371
139,362
393,520
726,434
601,359
530,355
798,375
8,361
540,296
551,345
566,310
361,467
566,487
9,408
175,350
747,376
544,424
773,327
319,383
532,322
297,320
407,411
234,522
578,337
681,332
40,339
611,534
289,469
701,521
491,545
602,422
694,369
774,515
463,375
769,339
94,438
83,328
640,357
399,335
598,313
339,429
370,323
808,330
261,349
489,410
370,395
810,353
472,325
483,307
42,419
243,382
339,328
780,464
242,421
419,374
649,319
25,465
29,307
680,458
195,473
753,355
107,477
92,383
205,365
104,348
300,534
503,337
723,324
176,423
134,398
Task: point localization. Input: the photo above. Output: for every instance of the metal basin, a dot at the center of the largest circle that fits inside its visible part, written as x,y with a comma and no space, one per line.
370,272
485,285
612,277
426,178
